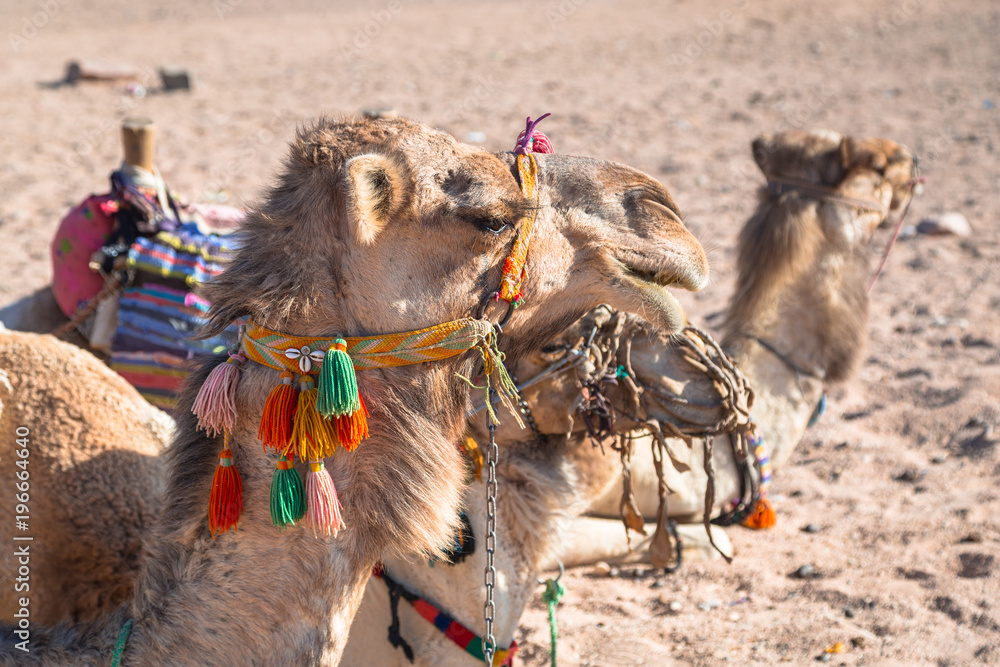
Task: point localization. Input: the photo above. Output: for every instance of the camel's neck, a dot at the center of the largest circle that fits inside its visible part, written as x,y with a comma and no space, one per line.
253,597
534,489
289,595
791,336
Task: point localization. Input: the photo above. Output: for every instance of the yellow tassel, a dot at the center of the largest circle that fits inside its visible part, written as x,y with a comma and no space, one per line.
313,437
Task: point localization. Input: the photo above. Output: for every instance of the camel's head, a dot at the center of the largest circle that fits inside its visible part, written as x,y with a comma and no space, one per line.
379,226
805,251
878,171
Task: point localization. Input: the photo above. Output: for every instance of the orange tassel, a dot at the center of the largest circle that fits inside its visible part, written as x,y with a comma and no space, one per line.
763,515
225,502
353,428
279,410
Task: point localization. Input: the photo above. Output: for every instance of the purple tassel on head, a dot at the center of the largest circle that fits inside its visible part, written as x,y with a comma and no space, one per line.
215,405
531,140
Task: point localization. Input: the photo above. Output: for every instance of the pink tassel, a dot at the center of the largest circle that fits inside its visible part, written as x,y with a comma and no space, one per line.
215,405
322,505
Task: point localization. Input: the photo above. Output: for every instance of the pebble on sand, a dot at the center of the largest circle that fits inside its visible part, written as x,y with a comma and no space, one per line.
804,572
380,112
940,224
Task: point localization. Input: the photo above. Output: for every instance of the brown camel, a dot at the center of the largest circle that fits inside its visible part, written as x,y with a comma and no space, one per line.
360,205
549,481
95,484
798,319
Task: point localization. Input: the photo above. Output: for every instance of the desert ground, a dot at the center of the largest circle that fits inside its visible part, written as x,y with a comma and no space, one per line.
899,480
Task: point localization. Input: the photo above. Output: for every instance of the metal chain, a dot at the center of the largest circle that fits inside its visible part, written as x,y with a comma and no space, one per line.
525,409
492,452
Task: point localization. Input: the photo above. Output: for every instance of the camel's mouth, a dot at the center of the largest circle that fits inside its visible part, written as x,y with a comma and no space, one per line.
655,276
659,271
648,282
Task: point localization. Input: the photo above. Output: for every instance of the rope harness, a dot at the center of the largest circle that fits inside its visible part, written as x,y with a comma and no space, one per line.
781,185
462,636
123,635
730,416
552,596
601,355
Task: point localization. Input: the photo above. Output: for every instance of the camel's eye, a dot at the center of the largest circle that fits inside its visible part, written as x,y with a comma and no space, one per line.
493,225
555,348
492,219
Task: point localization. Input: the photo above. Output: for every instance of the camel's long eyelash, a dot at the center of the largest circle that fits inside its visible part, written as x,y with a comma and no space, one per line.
486,219
493,226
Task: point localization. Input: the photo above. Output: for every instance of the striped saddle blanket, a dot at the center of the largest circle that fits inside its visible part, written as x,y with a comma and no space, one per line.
155,344
139,238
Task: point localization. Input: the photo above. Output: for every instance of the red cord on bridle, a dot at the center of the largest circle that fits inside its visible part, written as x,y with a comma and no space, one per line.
895,232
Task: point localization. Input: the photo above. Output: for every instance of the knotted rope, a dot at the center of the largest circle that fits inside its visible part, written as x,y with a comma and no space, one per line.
601,356
729,415
553,594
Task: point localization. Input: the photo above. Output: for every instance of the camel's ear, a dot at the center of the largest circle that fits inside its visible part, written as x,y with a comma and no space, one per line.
378,187
763,149
864,153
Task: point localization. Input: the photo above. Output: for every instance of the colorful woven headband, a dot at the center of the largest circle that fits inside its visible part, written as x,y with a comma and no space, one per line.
324,413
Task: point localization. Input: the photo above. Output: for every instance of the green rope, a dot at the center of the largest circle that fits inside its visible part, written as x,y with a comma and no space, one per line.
116,659
554,590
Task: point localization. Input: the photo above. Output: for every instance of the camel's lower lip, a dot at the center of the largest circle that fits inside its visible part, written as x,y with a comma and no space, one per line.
653,289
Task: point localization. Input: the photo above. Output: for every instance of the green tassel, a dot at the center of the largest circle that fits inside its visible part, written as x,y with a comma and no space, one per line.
288,498
338,384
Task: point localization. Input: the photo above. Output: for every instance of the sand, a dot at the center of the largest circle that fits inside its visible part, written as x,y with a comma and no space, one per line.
900,477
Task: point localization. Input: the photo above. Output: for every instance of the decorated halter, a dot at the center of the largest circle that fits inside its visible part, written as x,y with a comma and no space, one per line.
529,141
326,411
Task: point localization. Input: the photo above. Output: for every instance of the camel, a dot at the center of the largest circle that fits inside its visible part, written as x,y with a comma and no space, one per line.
549,480
357,196
798,319
94,473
